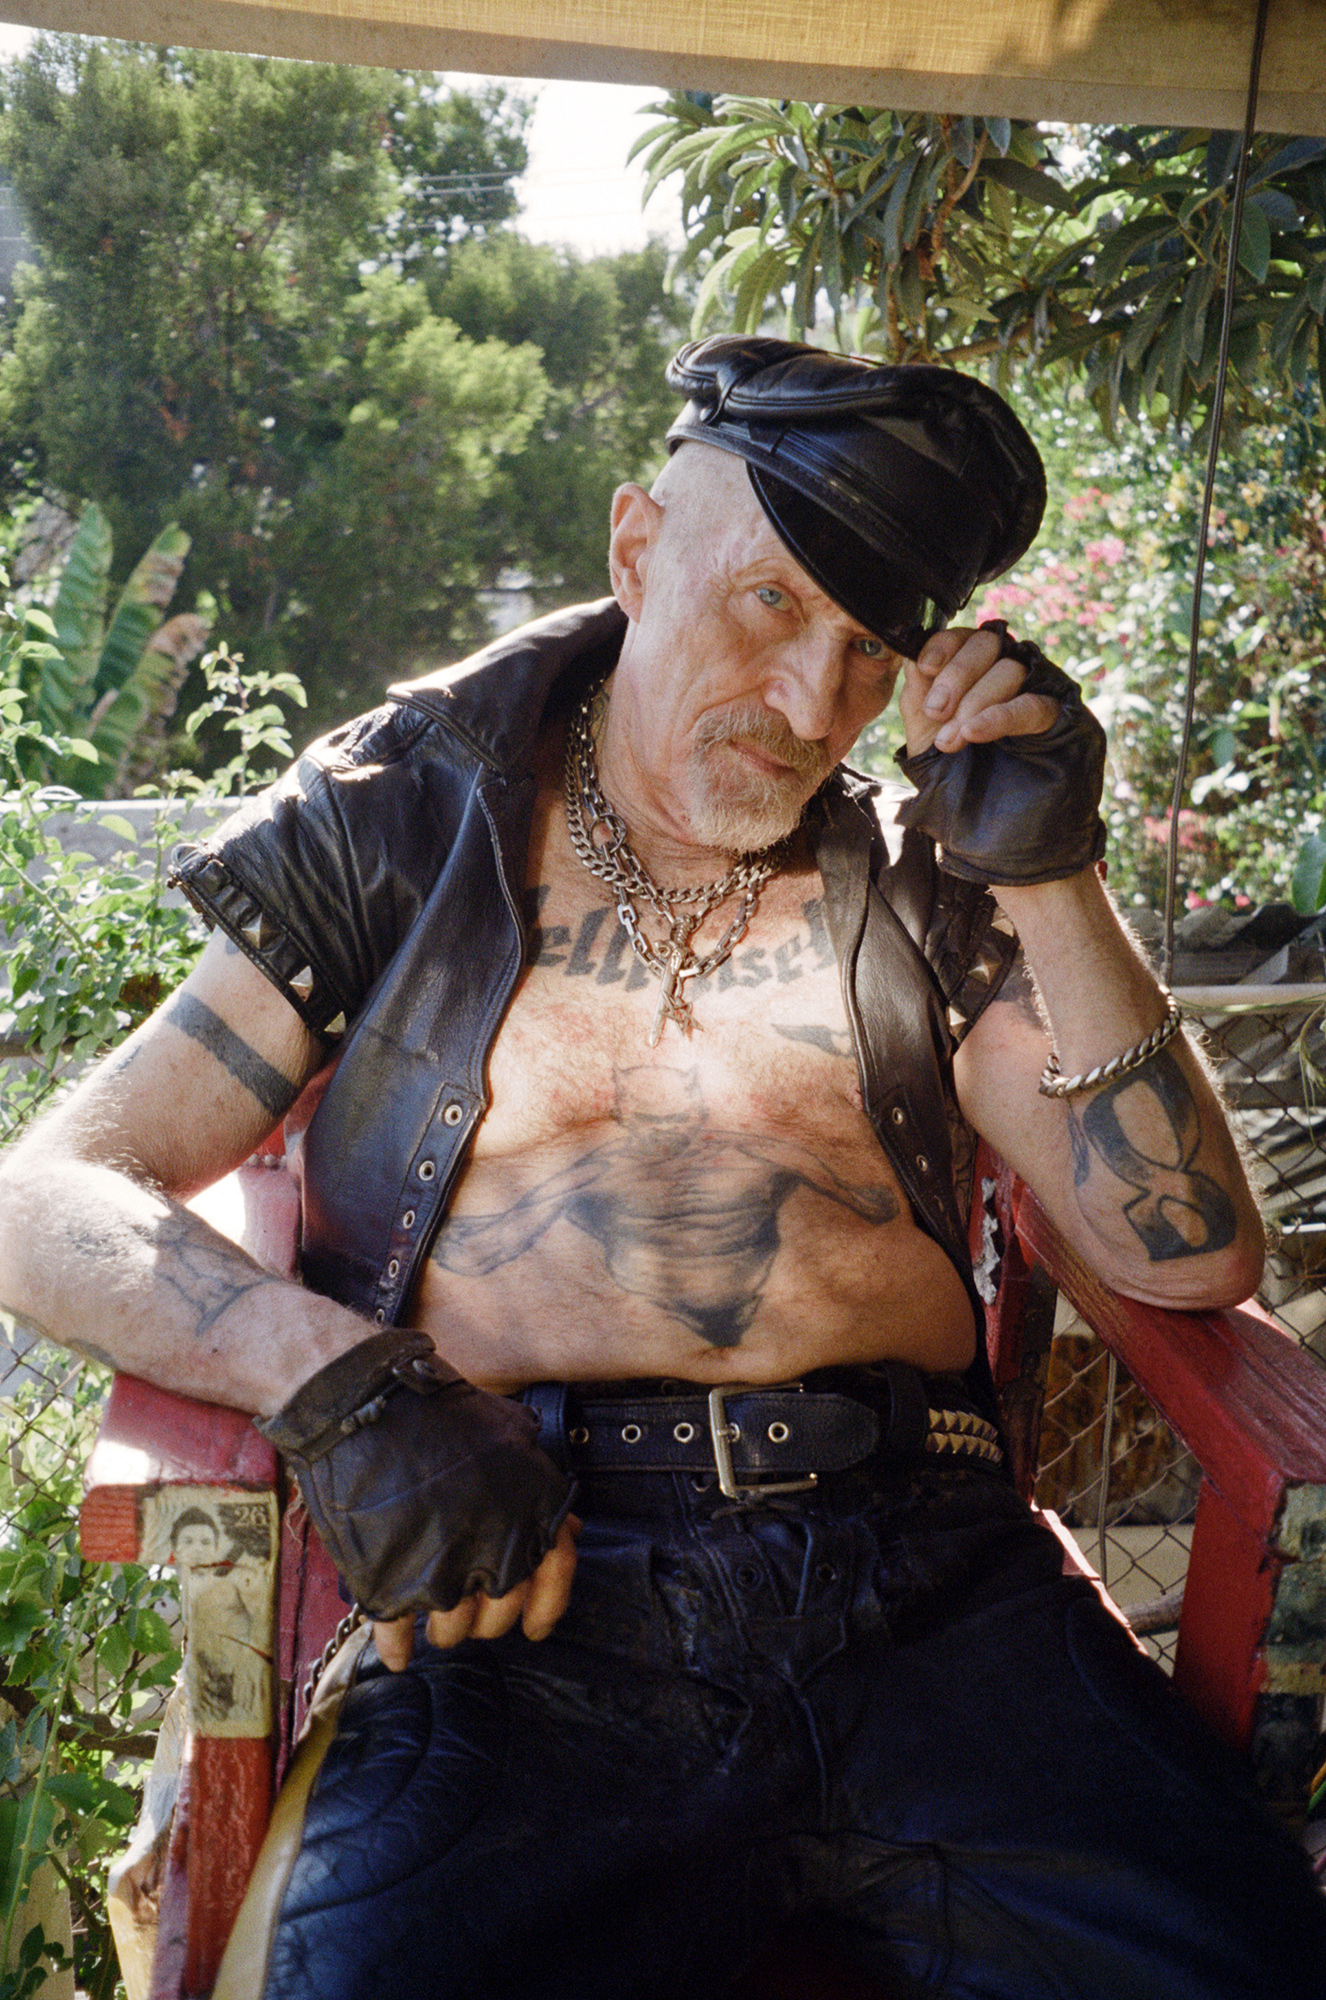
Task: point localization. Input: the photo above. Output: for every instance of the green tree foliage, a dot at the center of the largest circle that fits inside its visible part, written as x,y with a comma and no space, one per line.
282,305
220,334
604,329
455,156
962,238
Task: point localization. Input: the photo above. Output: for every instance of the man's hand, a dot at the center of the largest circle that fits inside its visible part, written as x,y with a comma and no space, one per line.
427,1492
1007,760
965,689
537,1604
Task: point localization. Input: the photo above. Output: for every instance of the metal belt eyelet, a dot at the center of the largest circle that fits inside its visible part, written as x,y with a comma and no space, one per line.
631,1433
580,1435
683,1432
779,1433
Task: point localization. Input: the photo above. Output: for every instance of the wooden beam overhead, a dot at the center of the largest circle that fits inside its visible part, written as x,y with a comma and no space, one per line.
1140,62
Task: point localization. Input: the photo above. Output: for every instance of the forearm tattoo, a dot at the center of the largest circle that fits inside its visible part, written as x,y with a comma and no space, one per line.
1178,1211
200,1272
275,1093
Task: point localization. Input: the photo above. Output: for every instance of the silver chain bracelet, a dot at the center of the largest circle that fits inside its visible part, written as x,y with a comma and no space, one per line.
1054,1083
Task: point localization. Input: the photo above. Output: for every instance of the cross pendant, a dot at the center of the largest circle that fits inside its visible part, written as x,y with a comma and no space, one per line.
672,1002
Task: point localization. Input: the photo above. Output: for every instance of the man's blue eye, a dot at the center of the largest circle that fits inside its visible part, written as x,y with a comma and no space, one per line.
768,595
873,649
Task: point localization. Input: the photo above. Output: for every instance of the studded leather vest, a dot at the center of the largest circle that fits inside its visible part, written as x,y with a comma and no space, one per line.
379,885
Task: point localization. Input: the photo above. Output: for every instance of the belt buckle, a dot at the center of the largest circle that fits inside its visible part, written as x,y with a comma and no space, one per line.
723,1435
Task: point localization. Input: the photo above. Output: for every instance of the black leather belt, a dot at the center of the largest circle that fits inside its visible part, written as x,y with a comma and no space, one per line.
759,1440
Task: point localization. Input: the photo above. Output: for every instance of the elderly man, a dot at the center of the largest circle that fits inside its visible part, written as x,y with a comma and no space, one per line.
648,1025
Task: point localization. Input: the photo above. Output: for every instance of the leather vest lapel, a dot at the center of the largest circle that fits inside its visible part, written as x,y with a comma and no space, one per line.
895,1008
383,1150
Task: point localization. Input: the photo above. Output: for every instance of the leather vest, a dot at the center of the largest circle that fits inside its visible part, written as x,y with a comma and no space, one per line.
379,884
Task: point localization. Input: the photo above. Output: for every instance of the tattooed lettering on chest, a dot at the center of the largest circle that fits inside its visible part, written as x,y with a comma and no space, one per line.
596,948
685,1211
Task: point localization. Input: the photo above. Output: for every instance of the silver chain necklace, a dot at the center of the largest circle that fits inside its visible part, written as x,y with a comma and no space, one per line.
598,835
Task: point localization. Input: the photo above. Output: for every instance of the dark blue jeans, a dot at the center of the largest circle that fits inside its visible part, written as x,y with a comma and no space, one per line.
885,1707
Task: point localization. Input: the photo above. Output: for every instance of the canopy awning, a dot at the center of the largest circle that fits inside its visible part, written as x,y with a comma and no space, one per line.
1140,62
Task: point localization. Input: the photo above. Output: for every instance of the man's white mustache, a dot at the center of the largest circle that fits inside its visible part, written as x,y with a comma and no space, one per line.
754,724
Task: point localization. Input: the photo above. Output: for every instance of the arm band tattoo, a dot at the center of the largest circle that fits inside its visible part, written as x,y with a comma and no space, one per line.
275,1093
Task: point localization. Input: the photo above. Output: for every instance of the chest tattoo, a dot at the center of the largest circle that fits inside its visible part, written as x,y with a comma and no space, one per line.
598,949
685,1211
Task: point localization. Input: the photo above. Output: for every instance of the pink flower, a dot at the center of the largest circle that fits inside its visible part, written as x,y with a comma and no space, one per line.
1109,550
1191,826
1004,600
1083,503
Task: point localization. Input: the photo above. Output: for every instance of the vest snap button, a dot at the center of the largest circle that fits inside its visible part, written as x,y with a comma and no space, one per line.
426,1170
452,1115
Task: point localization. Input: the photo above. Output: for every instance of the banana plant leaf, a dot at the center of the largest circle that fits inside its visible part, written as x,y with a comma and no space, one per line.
79,614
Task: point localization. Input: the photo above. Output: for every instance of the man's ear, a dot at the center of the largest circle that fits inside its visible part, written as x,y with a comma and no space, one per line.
636,518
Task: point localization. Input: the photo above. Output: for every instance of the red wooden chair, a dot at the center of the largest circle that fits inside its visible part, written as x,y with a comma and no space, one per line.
1251,1658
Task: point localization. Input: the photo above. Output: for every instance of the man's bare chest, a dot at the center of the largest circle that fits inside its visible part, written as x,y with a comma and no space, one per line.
637,1206
766,1044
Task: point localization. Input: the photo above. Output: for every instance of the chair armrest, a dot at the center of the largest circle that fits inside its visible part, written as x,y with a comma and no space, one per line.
1250,1404
171,1479
1247,1400
150,1442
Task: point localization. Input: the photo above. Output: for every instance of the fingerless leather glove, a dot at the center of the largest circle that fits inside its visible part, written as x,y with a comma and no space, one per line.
422,1488
1024,809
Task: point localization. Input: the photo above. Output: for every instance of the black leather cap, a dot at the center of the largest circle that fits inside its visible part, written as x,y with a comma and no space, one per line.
898,490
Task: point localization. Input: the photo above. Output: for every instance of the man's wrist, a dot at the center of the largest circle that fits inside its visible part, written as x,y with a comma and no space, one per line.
348,1391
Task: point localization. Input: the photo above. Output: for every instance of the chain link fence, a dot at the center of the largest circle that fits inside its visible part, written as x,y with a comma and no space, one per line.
1267,1047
